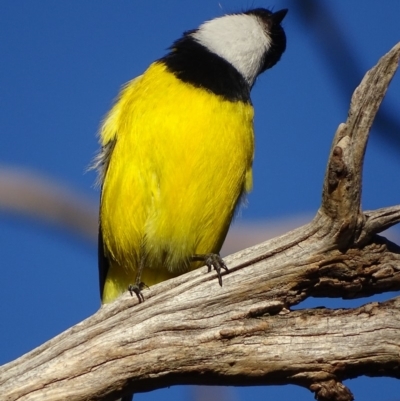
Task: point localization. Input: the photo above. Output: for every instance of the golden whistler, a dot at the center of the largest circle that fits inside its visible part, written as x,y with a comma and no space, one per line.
177,151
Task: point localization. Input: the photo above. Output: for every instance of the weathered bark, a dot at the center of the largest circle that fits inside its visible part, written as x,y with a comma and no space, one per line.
189,330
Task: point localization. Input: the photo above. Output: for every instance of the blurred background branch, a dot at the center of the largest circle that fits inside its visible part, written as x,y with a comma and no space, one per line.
340,55
24,192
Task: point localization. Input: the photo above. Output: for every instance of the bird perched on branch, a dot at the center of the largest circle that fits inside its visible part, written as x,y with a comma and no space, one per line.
177,151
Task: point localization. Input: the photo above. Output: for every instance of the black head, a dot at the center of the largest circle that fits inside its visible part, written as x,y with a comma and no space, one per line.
272,23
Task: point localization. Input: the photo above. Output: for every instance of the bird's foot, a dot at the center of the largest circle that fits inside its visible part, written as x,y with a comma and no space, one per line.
137,289
212,260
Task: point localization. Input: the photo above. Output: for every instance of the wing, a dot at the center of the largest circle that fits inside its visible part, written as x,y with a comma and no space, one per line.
108,138
101,163
103,262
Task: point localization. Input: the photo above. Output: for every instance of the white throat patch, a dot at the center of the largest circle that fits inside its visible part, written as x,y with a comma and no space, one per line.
240,39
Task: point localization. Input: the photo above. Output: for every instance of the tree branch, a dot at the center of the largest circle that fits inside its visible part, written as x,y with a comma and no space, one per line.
342,187
191,331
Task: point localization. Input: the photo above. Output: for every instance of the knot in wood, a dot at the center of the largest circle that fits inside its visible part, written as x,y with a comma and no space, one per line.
331,390
337,168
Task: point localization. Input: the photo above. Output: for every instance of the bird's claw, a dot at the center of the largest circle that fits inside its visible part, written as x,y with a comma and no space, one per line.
137,289
213,260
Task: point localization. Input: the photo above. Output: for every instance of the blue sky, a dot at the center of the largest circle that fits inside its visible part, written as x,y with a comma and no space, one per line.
63,63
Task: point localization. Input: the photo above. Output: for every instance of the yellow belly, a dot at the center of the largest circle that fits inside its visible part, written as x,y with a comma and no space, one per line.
181,161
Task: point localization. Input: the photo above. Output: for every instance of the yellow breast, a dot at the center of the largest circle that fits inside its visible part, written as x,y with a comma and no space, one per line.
181,162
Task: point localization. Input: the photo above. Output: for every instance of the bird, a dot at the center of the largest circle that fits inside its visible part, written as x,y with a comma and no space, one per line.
176,152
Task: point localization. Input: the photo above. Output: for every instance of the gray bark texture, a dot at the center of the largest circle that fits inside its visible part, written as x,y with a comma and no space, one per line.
191,331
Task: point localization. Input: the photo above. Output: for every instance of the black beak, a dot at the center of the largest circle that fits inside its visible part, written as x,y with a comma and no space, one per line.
279,16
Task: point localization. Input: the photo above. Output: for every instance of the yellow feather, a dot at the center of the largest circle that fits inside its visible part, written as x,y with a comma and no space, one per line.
181,161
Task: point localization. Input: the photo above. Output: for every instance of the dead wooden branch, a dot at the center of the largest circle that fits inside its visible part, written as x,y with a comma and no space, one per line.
191,331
